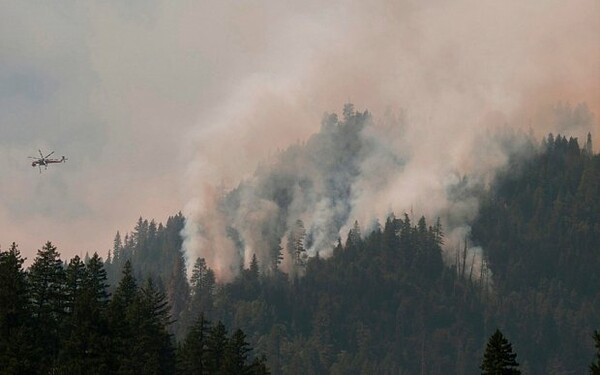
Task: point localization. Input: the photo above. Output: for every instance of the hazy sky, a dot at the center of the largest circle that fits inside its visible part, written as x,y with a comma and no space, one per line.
149,98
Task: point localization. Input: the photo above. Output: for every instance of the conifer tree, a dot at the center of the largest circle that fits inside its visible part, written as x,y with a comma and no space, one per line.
354,236
75,275
116,258
595,366
15,342
153,350
192,354
95,281
202,287
259,366
47,278
499,358
295,244
85,348
47,282
276,255
13,291
237,354
178,289
126,291
253,270
588,149
216,347
122,328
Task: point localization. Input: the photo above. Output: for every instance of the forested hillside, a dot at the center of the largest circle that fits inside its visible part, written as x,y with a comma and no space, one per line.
540,227
58,318
384,302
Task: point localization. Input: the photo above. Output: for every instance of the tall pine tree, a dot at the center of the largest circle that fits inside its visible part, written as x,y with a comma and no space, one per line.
192,353
48,303
595,366
499,358
15,342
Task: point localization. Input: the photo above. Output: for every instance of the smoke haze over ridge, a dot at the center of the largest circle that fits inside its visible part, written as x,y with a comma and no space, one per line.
452,72
159,103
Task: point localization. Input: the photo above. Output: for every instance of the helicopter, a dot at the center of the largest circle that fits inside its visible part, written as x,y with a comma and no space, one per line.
45,160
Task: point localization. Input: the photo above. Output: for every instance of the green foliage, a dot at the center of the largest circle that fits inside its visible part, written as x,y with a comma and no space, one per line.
192,354
499,358
155,250
296,247
383,302
542,217
595,366
348,303
16,352
216,347
139,318
178,291
86,339
48,303
207,350
540,228
153,351
47,280
62,320
202,291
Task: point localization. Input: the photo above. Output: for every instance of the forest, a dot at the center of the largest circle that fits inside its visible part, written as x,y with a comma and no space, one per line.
385,301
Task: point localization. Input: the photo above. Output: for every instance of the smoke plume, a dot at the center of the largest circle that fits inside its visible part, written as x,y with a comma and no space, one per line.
443,82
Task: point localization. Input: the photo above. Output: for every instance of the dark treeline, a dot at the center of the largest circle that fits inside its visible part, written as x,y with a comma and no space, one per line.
383,303
58,318
540,227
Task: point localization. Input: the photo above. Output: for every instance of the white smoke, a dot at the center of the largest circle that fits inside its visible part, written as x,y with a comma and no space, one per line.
354,168
461,70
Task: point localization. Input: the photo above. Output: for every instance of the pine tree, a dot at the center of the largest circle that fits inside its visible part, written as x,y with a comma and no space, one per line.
499,358
354,239
216,347
178,289
121,320
276,255
16,354
75,275
253,270
595,366
117,249
438,232
126,291
192,354
588,149
153,349
259,366
237,354
86,345
295,244
95,281
114,263
13,291
47,281
202,287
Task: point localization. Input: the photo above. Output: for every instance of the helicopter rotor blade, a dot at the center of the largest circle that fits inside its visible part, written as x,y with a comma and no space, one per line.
49,155
41,155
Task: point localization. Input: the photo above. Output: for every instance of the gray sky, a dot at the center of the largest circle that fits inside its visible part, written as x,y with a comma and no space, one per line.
149,99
